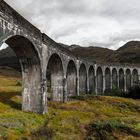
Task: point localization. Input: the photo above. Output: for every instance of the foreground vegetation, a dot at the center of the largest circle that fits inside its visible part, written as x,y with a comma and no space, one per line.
83,117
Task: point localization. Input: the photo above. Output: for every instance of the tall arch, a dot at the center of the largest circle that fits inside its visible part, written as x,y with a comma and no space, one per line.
29,59
107,79
114,78
121,79
128,79
135,77
99,75
82,79
55,77
71,79
91,78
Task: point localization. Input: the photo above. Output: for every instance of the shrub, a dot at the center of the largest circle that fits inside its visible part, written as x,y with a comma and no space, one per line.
83,97
43,132
134,92
104,130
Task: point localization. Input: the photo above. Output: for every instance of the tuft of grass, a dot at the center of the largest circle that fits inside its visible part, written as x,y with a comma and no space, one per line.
137,126
105,130
84,116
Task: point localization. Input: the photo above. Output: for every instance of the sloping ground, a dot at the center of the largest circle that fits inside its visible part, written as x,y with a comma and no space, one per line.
8,58
93,53
82,118
129,53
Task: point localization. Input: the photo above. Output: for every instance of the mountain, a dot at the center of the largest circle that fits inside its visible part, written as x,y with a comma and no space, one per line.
128,53
91,53
8,58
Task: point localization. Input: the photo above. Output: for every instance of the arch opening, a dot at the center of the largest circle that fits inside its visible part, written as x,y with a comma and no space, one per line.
107,79
121,79
82,79
99,81
55,79
71,79
135,79
91,76
29,60
128,79
114,78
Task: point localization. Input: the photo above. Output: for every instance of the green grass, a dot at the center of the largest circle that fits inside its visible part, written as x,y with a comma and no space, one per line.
84,117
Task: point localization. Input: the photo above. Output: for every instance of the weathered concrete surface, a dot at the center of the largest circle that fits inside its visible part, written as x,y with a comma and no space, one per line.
99,81
107,79
128,79
91,78
121,80
43,60
135,76
55,68
83,79
114,78
71,79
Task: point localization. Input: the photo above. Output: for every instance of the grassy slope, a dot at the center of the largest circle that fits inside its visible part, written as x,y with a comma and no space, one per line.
84,117
93,53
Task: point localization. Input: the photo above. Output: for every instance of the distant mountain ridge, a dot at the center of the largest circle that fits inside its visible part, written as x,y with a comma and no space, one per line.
8,58
128,53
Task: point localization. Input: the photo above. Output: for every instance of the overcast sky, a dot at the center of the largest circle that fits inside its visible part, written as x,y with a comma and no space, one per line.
106,23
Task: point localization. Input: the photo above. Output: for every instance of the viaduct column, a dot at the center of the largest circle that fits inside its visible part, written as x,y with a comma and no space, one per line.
65,96
44,91
118,79
103,84
104,80
96,84
88,84
77,78
111,80
95,68
132,80
125,83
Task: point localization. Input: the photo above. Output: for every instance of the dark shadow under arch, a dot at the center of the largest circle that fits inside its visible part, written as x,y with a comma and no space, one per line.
107,79
135,77
55,78
83,79
114,78
128,79
91,78
121,79
29,60
71,79
99,74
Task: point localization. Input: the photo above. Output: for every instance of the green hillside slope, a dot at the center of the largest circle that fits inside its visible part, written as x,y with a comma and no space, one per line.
82,118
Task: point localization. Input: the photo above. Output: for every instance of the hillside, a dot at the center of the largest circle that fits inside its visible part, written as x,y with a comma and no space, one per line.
8,58
128,53
92,53
82,118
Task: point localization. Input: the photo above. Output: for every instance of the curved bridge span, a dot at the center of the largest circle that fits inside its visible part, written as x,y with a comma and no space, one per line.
43,60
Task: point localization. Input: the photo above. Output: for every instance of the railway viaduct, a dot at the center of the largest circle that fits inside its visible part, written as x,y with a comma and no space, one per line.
42,60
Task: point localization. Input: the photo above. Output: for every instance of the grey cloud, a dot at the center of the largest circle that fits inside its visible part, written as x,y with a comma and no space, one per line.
86,22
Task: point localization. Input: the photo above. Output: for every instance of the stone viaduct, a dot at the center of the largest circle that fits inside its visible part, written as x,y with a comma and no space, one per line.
42,60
